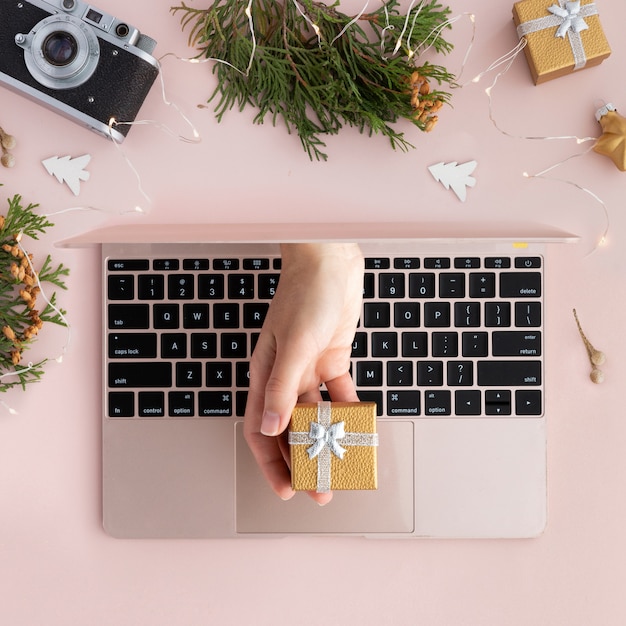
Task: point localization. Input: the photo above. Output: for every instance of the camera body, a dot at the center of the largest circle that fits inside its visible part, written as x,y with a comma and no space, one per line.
76,60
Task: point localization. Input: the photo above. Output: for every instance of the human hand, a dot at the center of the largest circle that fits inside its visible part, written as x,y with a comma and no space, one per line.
306,340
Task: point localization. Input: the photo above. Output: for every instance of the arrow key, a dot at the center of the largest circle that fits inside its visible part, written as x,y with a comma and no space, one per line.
467,402
497,402
528,402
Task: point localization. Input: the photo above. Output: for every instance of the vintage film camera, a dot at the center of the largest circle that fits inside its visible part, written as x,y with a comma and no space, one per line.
76,60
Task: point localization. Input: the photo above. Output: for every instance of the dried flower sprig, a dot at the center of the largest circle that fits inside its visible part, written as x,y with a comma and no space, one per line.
319,69
21,318
596,357
7,143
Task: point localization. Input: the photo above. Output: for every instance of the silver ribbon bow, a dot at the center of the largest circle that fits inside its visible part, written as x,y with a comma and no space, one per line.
326,437
322,440
570,14
569,20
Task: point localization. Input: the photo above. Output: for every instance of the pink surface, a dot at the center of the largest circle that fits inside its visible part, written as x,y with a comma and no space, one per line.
56,564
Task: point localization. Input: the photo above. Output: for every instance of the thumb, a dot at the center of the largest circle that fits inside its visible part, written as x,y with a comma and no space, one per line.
282,389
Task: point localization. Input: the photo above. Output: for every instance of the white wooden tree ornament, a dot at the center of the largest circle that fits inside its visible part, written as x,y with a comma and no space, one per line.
455,177
69,171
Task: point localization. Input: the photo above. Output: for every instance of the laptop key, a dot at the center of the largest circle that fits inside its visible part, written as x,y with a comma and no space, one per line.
203,345
241,400
241,286
528,314
509,373
460,373
391,285
497,262
151,287
121,404
166,265
128,265
174,346
132,345
166,316
528,261
195,315
437,403
384,344
520,284
226,315
467,314
422,285
528,402
144,374
369,373
497,314
482,285
254,314
359,345
452,285
498,402
180,403
189,374
267,285
128,316
437,314
430,373
516,343
400,373
234,345
445,344
467,402
151,403
242,376
211,286
406,314
215,403
121,287
219,374
181,286
376,315
197,265
415,344
475,344
372,396
256,264
403,402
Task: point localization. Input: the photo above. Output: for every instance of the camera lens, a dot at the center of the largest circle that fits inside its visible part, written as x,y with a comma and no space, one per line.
69,4
59,48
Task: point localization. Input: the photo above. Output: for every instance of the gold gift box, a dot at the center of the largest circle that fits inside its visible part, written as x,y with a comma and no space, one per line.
333,446
550,56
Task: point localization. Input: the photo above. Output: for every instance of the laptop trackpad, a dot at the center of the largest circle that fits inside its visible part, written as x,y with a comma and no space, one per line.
389,509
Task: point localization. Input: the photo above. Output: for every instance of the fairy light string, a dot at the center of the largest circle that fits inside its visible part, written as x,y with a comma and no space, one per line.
506,61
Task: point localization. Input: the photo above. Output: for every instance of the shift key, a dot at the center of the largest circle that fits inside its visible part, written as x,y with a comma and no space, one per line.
155,374
521,373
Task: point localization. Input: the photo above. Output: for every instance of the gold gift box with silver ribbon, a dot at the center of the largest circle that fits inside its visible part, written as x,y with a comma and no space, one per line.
333,446
561,37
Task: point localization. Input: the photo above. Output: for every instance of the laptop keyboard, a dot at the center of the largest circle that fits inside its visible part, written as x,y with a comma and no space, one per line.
438,336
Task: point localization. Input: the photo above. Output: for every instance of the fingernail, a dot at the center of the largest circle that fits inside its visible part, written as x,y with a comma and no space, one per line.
270,423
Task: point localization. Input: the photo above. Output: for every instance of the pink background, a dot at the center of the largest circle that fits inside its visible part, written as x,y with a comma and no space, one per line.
56,564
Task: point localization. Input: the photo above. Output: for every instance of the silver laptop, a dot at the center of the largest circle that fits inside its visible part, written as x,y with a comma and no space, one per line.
450,346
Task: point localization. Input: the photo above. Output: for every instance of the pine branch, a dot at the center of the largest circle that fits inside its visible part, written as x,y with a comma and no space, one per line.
317,69
20,291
